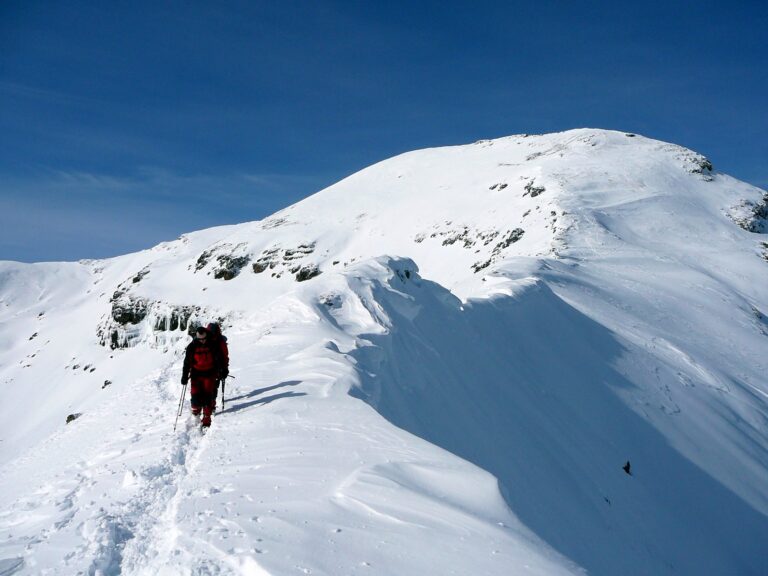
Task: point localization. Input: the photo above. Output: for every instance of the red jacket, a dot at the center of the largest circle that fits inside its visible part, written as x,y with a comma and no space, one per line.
208,352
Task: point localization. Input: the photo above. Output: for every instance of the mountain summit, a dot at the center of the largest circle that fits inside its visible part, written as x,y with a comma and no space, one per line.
532,355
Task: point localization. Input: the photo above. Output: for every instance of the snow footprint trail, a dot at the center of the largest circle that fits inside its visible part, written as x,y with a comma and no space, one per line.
151,514
162,544
125,537
95,514
130,537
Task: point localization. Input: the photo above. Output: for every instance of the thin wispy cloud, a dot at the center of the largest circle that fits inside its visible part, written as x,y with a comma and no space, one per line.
26,91
114,215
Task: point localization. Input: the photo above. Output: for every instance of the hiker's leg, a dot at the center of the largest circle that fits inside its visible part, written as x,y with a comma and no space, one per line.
197,395
209,402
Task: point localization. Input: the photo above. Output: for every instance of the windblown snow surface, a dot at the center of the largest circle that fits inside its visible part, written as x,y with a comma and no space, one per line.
481,338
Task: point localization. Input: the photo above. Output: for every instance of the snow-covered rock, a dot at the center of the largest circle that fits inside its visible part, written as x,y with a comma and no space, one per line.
442,364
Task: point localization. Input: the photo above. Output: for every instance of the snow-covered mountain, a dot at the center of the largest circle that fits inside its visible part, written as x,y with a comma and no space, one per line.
442,363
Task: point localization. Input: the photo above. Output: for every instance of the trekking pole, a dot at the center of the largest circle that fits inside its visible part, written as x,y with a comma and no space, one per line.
181,405
223,385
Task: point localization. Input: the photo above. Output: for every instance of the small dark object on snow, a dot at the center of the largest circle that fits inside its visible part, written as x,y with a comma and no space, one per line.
73,417
627,467
106,383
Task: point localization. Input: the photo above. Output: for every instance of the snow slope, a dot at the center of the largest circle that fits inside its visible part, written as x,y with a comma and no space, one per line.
482,336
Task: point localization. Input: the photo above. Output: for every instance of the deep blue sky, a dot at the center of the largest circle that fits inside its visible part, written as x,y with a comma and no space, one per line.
123,124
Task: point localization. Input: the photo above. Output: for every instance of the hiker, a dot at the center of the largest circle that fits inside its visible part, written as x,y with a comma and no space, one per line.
203,364
214,333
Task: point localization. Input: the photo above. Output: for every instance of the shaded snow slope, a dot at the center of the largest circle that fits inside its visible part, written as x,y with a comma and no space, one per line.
442,363
531,389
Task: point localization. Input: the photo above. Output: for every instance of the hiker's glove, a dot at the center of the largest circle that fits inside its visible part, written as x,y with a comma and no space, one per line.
224,373
184,379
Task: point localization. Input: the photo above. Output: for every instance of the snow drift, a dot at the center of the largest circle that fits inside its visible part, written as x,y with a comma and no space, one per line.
442,364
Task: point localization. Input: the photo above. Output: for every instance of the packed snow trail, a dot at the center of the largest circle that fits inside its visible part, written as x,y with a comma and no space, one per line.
136,461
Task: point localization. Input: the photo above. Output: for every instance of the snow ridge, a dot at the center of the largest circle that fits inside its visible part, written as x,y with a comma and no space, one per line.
442,364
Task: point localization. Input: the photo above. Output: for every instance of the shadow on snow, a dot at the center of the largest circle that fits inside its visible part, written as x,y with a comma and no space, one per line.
525,387
262,401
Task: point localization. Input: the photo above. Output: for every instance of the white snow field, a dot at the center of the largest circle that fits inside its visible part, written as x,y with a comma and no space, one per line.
482,337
